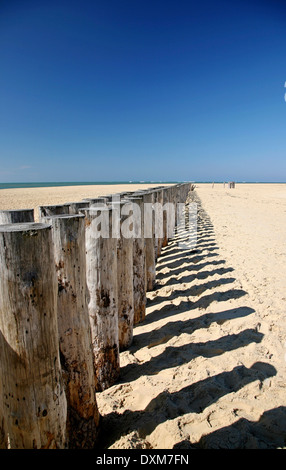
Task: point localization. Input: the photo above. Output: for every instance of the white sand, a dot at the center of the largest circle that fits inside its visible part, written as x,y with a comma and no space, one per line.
207,367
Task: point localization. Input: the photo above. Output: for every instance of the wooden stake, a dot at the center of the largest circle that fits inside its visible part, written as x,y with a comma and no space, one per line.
101,261
165,217
150,258
139,263
74,329
74,207
34,401
16,216
124,274
95,201
58,209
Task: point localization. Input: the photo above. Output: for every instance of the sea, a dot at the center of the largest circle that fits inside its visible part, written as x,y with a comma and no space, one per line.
91,183
78,183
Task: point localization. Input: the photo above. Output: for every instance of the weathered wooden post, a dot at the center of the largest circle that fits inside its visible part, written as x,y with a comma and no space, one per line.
159,217
34,400
121,230
187,190
74,329
95,201
74,207
149,240
165,198
180,210
171,219
16,216
57,209
101,264
155,221
139,263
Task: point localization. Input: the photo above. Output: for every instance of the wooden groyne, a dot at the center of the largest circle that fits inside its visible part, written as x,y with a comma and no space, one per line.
72,288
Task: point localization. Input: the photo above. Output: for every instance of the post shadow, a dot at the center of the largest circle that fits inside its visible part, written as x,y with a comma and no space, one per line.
174,356
185,305
190,291
170,329
267,433
194,398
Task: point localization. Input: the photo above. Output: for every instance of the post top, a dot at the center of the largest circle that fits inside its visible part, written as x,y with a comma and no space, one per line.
48,206
24,227
95,208
63,216
8,211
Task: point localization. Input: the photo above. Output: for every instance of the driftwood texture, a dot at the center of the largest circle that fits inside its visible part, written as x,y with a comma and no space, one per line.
74,207
74,329
121,212
58,209
150,256
16,216
139,263
166,200
33,401
101,263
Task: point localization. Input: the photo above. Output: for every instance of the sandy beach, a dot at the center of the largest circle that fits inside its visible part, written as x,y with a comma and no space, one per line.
207,366
32,198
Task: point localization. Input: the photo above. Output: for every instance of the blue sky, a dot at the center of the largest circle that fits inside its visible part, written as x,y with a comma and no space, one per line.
142,90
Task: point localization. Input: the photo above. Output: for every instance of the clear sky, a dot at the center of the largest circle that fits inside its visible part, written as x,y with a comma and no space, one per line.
157,90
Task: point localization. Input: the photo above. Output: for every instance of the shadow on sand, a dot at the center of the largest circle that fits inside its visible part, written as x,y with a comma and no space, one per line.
175,268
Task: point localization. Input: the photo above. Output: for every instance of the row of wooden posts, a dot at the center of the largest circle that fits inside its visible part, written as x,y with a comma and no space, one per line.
68,303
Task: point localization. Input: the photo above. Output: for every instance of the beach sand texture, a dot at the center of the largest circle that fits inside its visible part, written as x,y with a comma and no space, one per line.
207,366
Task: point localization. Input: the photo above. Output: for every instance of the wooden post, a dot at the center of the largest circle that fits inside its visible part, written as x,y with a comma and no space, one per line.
57,209
171,222
149,240
174,202
165,218
108,197
74,207
16,216
178,201
139,263
74,329
160,224
101,262
155,228
34,401
188,189
95,201
121,212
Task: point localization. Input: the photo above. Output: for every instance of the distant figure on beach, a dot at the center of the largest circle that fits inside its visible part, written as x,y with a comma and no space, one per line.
213,185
